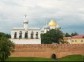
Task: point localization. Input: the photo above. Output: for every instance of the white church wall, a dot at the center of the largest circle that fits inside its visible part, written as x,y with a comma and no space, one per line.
39,35
29,34
23,34
12,34
26,41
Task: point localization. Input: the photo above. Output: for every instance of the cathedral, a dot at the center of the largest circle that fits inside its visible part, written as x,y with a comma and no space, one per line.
27,35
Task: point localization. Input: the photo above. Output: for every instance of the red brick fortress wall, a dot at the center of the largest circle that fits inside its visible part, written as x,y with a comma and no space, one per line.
46,50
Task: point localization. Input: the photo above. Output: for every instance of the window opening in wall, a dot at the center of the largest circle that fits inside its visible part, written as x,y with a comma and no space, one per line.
15,35
53,56
75,40
36,35
72,40
20,34
32,34
26,34
81,40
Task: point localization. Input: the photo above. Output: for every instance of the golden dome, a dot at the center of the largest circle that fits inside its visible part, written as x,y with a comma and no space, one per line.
52,23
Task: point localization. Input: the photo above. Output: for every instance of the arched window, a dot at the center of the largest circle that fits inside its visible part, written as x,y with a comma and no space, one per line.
32,34
36,35
20,34
26,34
15,35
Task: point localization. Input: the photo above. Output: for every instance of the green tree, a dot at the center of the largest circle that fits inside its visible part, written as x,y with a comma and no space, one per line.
67,35
4,35
73,34
52,36
6,47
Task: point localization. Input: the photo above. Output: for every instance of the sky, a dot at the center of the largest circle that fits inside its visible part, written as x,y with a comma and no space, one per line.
69,14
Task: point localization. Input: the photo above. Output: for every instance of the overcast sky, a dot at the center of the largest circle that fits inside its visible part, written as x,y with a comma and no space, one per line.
69,14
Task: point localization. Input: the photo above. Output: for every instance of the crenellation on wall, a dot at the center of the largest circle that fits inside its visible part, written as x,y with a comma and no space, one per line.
46,50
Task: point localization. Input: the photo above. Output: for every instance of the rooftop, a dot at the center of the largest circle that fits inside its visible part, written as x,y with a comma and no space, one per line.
78,36
21,28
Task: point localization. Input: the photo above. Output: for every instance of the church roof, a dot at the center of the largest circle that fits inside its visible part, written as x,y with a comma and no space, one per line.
21,28
18,28
78,36
52,23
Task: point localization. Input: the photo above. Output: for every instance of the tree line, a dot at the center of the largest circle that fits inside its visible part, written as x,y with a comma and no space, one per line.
5,35
70,35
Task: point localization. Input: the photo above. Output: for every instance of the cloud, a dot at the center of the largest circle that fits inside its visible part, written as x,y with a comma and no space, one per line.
66,12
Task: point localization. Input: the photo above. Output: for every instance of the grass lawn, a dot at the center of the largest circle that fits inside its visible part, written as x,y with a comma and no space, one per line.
28,59
72,58
67,58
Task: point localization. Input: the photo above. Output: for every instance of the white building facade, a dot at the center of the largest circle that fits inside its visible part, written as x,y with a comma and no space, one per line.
26,35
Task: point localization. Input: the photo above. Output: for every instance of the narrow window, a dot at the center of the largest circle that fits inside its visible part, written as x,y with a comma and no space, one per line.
15,35
32,34
20,34
26,34
36,35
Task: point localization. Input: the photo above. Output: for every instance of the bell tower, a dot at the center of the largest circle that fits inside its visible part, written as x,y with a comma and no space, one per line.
25,23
